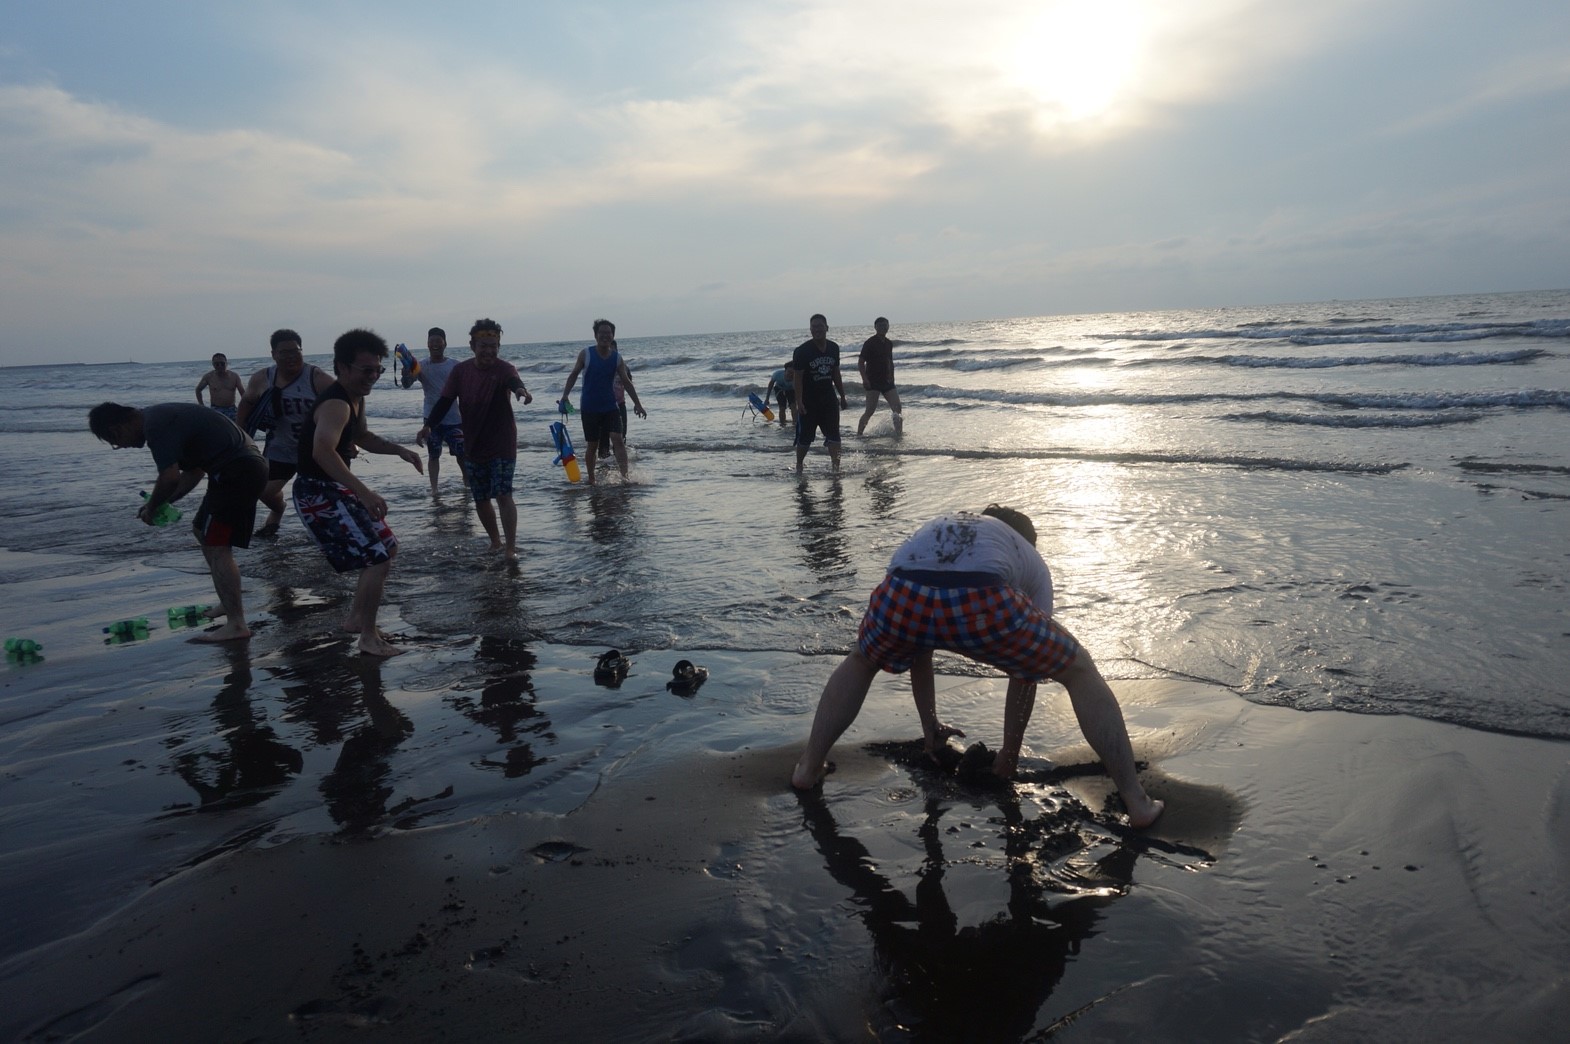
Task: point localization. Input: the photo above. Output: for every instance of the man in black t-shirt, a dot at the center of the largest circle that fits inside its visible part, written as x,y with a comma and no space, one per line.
820,393
190,442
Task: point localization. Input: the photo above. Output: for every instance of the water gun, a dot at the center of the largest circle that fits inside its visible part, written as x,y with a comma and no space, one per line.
564,454
165,514
758,405
411,365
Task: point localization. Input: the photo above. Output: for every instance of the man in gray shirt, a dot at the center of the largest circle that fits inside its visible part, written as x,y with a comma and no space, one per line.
190,442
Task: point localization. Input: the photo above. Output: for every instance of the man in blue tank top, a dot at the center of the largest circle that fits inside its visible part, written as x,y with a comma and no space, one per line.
601,364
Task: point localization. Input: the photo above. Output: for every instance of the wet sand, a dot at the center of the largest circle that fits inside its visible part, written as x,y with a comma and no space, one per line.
1321,876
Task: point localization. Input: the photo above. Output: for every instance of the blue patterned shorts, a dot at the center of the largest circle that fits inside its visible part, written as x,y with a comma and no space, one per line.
449,434
489,479
995,625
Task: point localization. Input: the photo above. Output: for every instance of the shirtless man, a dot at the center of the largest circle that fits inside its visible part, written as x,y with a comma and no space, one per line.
975,584
188,443
347,518
279,398
223,384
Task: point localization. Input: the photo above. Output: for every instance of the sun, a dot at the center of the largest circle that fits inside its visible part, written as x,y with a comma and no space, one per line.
1076,57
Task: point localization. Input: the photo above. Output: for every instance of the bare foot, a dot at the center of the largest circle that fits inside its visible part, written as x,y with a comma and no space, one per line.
1147,814
511,554
269,529
229,632
496,545
376,644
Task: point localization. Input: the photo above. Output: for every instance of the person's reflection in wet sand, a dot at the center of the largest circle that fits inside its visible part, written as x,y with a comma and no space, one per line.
358,787
824,546
507,704
253,764
983,982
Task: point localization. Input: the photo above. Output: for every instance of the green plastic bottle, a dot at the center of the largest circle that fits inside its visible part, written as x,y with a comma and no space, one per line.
19,647
165,514
128,628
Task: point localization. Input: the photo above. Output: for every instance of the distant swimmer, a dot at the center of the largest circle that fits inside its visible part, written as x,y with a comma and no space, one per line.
223,385
278,398
819,391
432,376
975,585
783,390
877,375
601,365
480,387
346,517
189,442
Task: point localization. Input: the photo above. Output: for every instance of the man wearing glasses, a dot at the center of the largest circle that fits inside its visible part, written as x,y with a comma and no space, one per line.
347,518
278,398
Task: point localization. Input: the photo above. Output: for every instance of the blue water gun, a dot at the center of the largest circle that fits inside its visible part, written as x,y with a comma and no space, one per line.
564,454
411,365
759,405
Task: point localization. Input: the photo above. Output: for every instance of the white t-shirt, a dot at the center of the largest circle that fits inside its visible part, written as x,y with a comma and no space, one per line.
967,543
433,377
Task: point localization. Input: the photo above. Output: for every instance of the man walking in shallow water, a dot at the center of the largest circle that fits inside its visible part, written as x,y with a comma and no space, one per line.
820,393
347,518
975,584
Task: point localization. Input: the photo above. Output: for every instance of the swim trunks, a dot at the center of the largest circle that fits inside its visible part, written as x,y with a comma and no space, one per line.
228,411
342,525
995,624
227,514
809,423
489,479
598,424
451,434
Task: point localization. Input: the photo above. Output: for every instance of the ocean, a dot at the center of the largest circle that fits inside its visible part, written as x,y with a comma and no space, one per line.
1346,506
1354,505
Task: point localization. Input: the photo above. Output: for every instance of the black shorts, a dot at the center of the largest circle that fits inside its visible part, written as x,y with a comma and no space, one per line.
605,436
825,419
278,471
599,424
227,514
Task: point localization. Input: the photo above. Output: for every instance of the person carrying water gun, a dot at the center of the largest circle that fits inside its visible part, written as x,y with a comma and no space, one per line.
784,391
432,375
600,365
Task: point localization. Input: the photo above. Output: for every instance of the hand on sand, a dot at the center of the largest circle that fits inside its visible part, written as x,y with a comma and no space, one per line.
1147,813
803,778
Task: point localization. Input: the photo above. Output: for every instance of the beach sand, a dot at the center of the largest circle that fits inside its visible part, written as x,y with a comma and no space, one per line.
1317,876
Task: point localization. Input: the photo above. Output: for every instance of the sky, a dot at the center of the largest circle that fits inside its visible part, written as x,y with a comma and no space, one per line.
178,178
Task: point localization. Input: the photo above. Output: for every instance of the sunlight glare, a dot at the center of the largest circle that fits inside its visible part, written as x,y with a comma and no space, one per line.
1077,56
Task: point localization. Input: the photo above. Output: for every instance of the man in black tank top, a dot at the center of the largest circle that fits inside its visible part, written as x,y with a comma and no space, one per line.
347,517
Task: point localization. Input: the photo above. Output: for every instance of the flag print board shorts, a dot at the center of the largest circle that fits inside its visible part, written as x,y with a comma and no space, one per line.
342,525
995,625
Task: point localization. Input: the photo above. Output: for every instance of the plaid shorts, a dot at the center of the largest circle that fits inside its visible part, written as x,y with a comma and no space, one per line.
342,525
995,625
